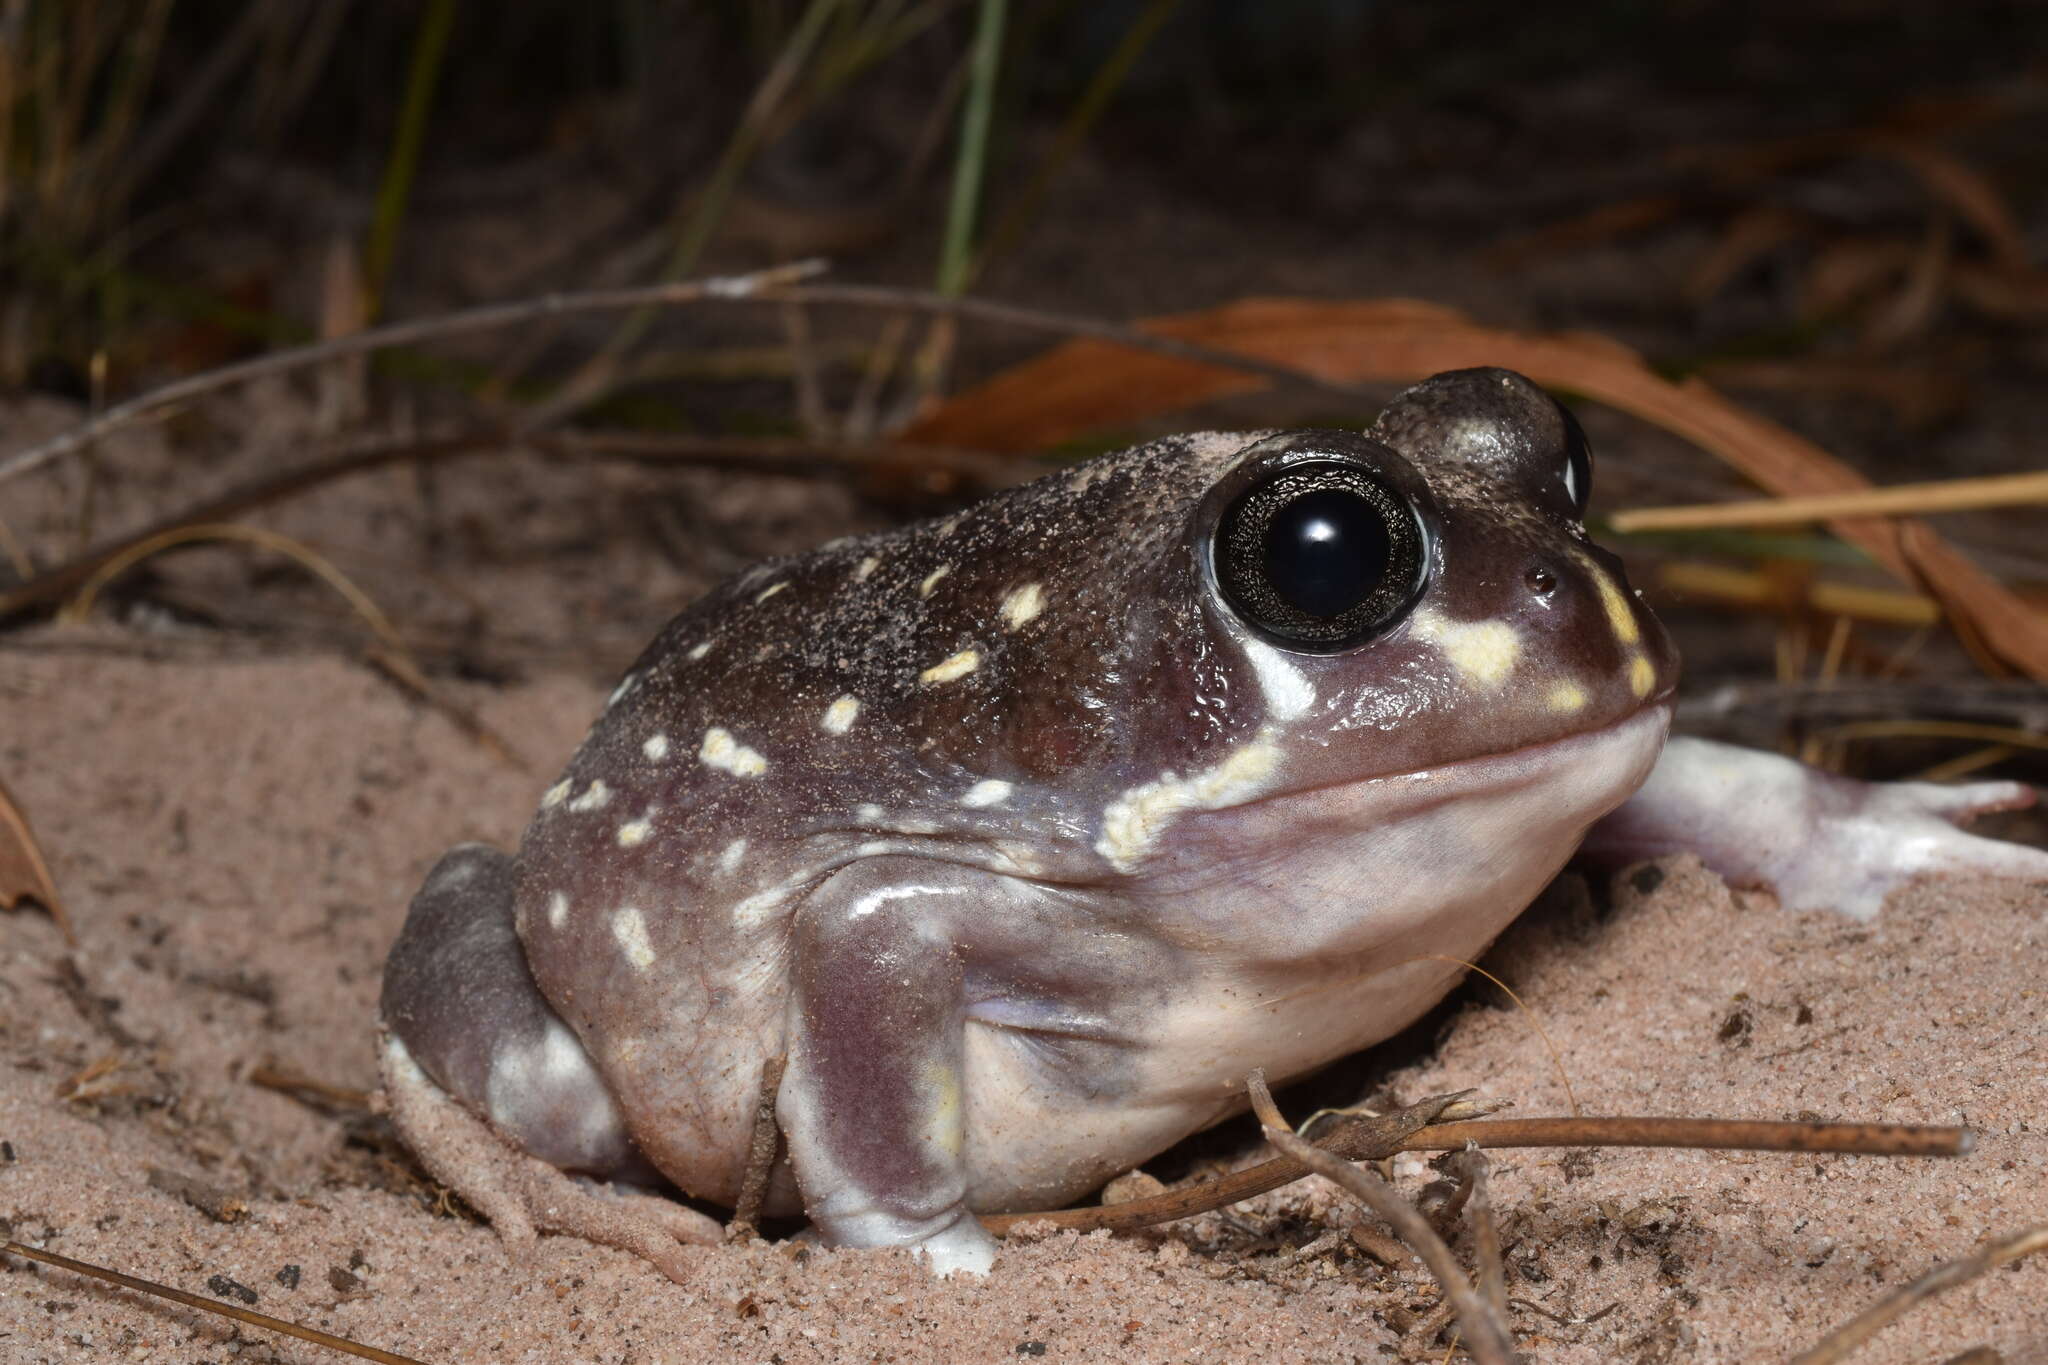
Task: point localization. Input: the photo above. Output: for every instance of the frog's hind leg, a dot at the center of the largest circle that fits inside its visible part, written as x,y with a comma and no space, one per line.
494,1092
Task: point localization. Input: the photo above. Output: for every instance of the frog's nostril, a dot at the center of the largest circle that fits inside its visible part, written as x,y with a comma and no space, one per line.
1541,581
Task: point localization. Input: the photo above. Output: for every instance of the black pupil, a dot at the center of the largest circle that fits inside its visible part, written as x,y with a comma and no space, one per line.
1326,551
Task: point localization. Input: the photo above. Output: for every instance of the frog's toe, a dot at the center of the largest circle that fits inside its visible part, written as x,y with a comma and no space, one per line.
1964,802
522,1195
1887,834
962,1248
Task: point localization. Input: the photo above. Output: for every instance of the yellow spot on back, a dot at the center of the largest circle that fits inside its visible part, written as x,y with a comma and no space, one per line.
595,797
959,666
555,795
634,833
840,714
630,930
931,580
700,650
1642,675
558,910
864,568
1483,652
769,592
1022,605
656,748
987,792
1565,698
720,750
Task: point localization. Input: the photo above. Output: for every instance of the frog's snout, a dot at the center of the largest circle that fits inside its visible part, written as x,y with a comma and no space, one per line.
1608,645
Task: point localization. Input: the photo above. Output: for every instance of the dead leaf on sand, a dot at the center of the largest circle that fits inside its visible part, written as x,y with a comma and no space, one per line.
24,875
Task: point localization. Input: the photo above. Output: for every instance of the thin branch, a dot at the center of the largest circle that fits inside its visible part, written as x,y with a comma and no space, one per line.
482,319
1369,1140
772,286
226,1310
2022,705
1486,1334
1897,500
1493,1280
361,456
746,1210
1844,1340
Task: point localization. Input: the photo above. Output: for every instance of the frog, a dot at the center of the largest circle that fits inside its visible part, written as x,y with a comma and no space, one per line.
1022,835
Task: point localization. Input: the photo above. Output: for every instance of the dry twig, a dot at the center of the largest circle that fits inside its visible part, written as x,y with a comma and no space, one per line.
1845,1339
1415,1130
1486,1334
746,1210
226,1310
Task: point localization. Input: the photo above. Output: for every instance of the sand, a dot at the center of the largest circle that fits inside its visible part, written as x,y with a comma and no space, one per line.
238,838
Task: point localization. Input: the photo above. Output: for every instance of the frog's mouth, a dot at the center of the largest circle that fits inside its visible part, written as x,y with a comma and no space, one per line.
1553,789
1618,754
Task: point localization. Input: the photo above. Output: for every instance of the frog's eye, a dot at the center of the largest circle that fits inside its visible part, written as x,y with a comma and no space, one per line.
1578,462
1320,556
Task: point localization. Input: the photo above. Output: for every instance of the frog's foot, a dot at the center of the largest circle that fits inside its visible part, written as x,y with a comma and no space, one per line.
493,1091
522,1195
1817,840
1870,838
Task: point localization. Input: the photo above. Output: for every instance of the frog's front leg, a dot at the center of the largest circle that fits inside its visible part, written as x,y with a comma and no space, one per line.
873,1100
1817,840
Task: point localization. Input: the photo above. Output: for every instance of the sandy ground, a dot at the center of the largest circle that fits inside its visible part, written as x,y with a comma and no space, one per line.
238,838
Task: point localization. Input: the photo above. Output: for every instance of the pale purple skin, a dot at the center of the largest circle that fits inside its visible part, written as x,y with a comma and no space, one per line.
1025,849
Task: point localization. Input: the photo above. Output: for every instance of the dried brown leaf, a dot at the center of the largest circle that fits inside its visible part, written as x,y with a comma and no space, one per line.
1846,272
24,873
1965,190
1089,385
2015,294
1749,237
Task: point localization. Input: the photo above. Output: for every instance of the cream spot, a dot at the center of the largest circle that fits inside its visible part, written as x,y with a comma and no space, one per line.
1483,652
840,714
931,580
1288,694
699,650
864,568
1020,858
770,591
631,932
1619,617
555,795
1022,606
867,812
721,750
1565,698
625,685
987,792
729,860
1642,675
656,748
596,796
761,907
558,910
634,833
1133,823
959,666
